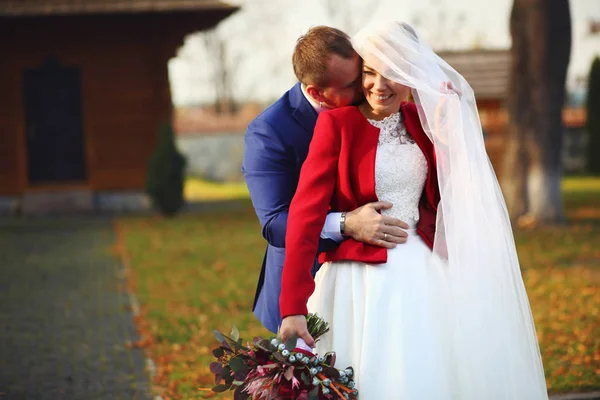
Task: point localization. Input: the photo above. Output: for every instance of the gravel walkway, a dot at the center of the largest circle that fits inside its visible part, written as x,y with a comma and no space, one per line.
65,319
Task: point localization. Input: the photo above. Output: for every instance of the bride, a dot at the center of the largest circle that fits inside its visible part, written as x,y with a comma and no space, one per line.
446,315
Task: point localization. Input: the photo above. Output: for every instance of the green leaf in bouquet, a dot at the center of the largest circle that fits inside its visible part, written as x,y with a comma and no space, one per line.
220,337
228,379
225,340
235,334
290,344
226,374
314,394
305,378
221,388
265,345
279,357
237,345
239,393
237,364
218,352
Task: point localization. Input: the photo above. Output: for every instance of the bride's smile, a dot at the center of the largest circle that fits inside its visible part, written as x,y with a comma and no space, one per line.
383,95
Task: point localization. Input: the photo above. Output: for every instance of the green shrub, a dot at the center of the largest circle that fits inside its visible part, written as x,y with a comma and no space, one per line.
593,118
166,174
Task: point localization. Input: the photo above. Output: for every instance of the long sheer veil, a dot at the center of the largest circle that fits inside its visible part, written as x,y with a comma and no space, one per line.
487,321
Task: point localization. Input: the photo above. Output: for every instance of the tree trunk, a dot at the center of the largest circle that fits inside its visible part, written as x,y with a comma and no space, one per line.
541,34
593,118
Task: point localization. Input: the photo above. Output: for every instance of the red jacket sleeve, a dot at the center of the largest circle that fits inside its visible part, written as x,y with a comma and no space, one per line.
307,214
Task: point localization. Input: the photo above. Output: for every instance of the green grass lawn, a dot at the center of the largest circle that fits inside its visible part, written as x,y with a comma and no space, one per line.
193,274
200,190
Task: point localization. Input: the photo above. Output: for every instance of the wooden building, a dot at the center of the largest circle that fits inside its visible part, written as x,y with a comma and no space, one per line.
84,89
488,73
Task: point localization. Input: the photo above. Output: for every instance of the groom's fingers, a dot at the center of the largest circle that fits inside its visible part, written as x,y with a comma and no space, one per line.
367,225
395,222
385,243
395,235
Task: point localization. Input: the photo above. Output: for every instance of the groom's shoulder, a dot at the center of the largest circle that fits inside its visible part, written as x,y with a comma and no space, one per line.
276,111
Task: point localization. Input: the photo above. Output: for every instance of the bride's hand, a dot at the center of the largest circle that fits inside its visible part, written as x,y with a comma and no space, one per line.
447,89
295,325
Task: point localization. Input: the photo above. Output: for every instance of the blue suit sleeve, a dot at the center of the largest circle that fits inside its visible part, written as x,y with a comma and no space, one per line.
271,176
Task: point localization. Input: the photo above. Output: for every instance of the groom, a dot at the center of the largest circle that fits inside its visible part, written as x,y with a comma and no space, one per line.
276,145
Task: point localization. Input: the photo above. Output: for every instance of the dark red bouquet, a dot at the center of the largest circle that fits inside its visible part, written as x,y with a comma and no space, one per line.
268,369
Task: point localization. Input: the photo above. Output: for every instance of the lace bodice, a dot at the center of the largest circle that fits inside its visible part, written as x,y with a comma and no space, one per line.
400,169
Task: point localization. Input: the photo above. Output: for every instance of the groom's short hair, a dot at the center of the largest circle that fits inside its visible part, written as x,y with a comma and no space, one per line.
314,49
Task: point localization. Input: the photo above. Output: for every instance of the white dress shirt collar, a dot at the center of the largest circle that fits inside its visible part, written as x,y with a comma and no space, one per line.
312,101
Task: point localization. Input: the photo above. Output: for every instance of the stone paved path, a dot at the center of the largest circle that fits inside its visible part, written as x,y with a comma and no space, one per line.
64,318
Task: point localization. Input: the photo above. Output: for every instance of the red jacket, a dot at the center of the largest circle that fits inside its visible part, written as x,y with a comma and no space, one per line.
339,171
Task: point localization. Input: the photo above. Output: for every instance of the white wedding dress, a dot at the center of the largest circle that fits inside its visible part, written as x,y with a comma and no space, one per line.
389,321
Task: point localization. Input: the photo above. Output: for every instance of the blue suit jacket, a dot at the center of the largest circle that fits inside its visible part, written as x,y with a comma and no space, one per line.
275,147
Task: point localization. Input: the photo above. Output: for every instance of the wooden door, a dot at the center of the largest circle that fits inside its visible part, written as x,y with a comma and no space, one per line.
54,124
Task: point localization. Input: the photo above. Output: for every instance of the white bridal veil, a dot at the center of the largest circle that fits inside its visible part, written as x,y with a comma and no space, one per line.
486,322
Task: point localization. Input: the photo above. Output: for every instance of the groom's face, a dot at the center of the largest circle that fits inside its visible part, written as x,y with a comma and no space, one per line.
344,87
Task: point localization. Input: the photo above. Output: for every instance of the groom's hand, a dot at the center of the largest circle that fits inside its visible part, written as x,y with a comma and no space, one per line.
366,225
296,325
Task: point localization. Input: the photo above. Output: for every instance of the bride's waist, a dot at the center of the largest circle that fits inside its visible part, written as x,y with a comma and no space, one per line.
408,219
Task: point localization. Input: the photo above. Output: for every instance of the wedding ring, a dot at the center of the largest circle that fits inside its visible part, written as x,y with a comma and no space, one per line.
385,237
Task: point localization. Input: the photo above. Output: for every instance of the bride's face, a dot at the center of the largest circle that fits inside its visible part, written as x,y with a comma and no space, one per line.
384,96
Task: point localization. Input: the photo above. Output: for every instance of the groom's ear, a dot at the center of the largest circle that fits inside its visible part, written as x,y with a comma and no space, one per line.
315,93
